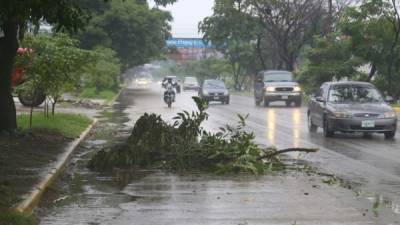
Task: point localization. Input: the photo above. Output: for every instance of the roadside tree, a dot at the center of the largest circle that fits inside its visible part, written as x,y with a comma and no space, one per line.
373,29
102,73
132,29
14,18
56,65
232,30
290,25
331,58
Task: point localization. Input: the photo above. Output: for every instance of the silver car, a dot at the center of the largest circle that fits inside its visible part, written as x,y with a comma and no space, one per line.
351,107
214,90
191,83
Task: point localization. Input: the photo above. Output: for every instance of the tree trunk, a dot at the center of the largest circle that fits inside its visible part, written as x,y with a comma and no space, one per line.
371,72
259,52
8,50
53,105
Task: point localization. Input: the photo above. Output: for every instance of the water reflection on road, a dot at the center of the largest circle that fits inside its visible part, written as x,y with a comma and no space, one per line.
117,198
271,126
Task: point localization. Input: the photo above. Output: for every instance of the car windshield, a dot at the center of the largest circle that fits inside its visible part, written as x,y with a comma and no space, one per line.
354,94
214,84
278,77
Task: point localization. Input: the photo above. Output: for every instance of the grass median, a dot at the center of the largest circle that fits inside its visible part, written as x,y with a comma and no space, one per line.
90,93
70,125
27,153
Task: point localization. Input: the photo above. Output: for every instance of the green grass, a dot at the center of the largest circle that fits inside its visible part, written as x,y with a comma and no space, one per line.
107,95
15,218
88,93
70,125
91,93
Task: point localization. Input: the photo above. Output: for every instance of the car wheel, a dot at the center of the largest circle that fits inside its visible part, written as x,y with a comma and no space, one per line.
288,103
390,134
266,103
327,132
311,126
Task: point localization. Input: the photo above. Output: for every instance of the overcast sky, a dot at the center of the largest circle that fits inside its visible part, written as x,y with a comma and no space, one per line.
187,14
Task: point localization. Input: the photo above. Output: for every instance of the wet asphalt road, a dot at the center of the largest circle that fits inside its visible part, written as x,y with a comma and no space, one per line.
371,165
372,162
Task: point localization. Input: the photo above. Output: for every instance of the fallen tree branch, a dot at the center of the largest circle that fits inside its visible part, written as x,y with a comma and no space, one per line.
307,150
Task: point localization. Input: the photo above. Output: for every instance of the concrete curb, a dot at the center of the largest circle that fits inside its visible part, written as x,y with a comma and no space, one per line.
28,204
110,103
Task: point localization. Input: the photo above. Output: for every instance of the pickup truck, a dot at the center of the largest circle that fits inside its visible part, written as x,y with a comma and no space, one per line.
280,85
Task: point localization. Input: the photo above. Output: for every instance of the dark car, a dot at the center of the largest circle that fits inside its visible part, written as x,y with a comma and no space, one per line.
351,107
191,83
279,85
214,90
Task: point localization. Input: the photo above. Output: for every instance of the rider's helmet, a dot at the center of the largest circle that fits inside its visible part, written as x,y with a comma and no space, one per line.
169,80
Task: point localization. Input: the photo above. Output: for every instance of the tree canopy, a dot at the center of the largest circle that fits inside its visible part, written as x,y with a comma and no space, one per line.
136,32
365,46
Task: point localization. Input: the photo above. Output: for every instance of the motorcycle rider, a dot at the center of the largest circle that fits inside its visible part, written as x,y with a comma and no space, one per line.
259,87
166,83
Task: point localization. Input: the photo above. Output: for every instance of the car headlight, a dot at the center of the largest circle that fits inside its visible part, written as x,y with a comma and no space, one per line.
389,114
297,89
205,92
226,92
341,115
270,89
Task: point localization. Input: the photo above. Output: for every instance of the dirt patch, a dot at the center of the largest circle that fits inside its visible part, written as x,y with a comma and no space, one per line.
23,157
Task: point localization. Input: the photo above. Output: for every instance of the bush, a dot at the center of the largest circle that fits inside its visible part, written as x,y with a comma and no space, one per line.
102,74
185,146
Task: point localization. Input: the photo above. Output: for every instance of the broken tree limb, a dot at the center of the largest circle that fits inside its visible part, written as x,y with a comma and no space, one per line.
307,150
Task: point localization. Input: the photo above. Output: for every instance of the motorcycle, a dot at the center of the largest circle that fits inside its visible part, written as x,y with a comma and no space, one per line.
258,96
169,95
258,91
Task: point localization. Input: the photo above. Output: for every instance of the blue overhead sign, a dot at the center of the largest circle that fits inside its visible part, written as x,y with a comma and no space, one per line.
188,43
